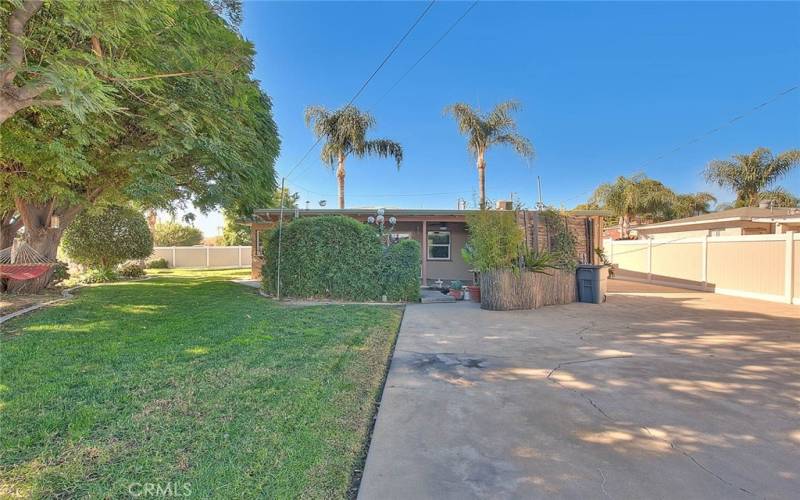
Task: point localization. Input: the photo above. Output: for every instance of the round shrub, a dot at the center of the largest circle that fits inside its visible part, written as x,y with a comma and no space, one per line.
100,275
400,271
131,270
101,240
329,256
158,264
173,234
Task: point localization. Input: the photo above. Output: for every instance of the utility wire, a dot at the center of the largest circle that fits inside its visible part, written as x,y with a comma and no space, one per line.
419,60
717,129
364,85
430,49
706,134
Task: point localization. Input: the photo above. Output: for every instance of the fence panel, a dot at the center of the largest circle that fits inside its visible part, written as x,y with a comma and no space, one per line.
764,267
204,257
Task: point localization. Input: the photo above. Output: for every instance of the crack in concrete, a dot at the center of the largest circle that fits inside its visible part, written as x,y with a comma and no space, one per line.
672,444
603,484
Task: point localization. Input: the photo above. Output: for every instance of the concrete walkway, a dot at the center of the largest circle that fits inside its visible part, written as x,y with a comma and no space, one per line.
659,393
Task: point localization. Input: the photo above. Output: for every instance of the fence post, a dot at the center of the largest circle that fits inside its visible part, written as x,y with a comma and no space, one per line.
239,252
704,263
649,259
788,274
611,252
174,260
208,256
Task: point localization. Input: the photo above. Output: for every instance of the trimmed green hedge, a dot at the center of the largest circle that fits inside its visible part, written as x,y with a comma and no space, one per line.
341,258
400,271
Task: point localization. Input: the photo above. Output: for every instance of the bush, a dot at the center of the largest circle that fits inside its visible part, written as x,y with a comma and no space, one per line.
400,271
102,275
495,240
157,264
329,256
60,273
131,270
101,240
173,234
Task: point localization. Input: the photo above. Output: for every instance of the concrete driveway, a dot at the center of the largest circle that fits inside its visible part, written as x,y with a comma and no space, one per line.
659,393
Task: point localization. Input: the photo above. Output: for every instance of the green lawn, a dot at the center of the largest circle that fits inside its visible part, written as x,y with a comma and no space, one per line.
188,378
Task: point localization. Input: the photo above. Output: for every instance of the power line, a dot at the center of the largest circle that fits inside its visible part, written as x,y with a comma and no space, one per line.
430,49
364,85
717,129
419,60
706,134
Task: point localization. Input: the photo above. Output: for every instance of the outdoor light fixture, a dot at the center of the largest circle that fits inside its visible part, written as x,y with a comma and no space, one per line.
379,219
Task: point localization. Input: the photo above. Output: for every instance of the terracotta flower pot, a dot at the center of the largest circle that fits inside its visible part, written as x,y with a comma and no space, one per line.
474,293
456,294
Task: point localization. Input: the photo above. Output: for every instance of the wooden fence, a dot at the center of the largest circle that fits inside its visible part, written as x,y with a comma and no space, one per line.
763,267
509,290
204,257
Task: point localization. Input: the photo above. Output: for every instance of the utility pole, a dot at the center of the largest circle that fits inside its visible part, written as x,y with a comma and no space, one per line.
280,241
539,204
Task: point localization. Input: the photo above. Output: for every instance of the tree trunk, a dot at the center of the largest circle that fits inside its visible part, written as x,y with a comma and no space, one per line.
42,237
625,226
340,173
482,180
9,226
152,219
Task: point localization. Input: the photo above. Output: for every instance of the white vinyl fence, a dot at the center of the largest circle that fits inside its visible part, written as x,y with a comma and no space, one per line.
763,267
204,256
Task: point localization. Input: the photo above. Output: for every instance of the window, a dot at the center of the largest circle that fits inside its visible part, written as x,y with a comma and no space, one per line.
438,245
259,252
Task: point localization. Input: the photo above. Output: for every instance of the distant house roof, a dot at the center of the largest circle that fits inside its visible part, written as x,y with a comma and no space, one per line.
735,214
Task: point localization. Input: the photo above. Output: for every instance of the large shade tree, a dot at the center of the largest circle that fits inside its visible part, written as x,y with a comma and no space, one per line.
345,134
629,198
149,101
484,130
750,175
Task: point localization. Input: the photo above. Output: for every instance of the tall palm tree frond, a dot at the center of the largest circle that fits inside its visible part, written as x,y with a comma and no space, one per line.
485,130
384,148
345,134
750,174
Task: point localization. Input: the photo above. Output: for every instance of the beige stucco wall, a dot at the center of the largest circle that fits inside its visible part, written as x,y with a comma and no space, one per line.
729,228
678,260
453,269
749,266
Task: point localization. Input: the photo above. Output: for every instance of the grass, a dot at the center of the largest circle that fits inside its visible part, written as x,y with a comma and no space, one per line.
188,379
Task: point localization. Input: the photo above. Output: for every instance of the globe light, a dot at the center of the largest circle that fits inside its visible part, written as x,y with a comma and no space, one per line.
393,220
380,211
371,219
379,218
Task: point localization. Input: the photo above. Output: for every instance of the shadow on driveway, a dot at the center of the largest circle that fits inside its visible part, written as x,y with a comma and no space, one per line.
655,394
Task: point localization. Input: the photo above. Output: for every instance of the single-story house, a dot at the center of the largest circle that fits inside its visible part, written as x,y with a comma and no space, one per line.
734,222
441,234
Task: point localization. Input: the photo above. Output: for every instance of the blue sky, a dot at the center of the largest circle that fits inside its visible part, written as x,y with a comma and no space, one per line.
606,88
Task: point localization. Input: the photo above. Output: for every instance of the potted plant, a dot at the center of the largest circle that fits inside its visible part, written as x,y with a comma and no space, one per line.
456,290
474,290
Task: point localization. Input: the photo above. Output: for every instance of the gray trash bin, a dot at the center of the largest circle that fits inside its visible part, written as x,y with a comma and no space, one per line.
592,283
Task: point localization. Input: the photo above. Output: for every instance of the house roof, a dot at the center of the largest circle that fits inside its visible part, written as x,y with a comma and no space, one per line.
732,215
397,212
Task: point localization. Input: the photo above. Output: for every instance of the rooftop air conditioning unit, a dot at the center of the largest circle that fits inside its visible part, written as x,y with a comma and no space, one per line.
504,205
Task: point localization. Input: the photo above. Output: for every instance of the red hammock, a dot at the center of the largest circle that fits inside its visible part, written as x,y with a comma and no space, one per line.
23,272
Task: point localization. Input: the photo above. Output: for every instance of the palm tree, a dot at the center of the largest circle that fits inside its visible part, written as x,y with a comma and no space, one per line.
344,131
637,196
750,174
484,130
780,197
689,205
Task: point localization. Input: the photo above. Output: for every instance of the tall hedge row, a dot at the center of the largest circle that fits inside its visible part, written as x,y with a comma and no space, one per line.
341,258
400,271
